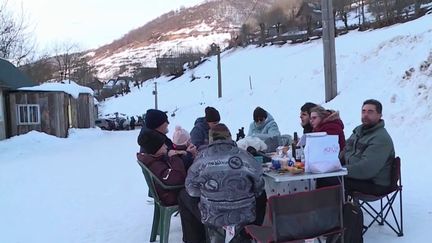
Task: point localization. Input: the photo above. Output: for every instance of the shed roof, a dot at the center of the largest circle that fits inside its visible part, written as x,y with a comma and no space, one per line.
11,77
67,86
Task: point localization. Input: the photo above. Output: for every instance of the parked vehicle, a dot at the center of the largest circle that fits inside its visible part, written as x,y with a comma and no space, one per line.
115,121
106,123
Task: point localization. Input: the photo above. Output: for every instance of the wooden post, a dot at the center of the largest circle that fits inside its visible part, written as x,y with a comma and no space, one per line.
155,94
329,50
219,73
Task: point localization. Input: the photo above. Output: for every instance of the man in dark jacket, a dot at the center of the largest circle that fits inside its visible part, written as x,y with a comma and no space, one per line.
369,153
170,170
200,132
305,117
224,187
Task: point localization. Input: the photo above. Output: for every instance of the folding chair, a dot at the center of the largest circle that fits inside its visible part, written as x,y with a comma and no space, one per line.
162,214
300,216
387,200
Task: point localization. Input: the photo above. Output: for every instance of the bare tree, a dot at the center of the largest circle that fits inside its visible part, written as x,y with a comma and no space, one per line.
39,69
16,43
66,56
83,72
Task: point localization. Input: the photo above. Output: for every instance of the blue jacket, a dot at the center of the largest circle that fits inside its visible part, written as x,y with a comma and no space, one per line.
265,130
200,133
227,179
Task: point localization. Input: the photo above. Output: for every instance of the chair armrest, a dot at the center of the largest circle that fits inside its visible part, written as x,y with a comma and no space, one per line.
157,180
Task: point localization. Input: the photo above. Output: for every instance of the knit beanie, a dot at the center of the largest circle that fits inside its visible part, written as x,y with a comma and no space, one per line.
259,113
180,136
154,118
211,114
219,132
151,141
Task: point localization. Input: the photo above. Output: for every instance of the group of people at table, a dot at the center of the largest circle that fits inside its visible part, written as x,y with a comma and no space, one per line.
224,183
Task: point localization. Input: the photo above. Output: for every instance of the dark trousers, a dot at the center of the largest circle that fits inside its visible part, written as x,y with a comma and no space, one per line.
364,186
193,229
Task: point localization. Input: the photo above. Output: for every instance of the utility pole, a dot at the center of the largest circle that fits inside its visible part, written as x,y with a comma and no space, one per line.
329,50
219,73
155,94
214,48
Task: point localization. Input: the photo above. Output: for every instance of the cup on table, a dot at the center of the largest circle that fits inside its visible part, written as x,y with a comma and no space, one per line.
276,163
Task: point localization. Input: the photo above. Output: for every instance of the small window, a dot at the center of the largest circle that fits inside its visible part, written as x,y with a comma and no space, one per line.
28,114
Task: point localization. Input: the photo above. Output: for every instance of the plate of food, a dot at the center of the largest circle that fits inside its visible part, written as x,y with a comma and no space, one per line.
296,170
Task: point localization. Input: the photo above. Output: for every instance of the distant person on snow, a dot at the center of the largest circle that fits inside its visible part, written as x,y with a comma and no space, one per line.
132,123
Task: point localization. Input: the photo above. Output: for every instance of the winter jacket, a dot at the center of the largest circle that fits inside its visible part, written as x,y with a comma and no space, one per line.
170,170
333,125
369,154
227,180
264,130
200,133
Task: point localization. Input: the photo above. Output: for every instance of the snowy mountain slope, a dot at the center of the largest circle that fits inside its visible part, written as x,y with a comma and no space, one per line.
88,187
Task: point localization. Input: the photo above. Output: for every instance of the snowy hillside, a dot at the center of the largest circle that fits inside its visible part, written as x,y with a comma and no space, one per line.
88,187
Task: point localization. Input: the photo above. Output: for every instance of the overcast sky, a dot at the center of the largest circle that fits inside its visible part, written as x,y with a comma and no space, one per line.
90,23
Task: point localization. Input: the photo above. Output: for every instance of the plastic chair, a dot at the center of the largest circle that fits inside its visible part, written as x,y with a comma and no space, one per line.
387,200
162,214
300,216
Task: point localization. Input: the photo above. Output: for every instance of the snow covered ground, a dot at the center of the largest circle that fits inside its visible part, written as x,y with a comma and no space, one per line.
89,188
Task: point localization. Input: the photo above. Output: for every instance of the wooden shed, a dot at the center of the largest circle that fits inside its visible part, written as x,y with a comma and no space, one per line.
11,78
50,108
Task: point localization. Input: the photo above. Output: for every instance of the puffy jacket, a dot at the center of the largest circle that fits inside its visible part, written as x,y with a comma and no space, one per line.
200,133
227,180
265,130
169,170
333,125
369,154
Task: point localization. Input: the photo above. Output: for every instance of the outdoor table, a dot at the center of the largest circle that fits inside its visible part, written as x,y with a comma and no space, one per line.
286,183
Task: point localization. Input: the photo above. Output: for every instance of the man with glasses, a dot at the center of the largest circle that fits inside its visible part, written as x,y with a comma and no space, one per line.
369,153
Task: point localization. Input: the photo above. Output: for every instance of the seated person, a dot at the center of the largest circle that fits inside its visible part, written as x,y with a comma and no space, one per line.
156,120
328,121
265,128
170,170
199,134
369,153
183,146
305,117
181,138
224,186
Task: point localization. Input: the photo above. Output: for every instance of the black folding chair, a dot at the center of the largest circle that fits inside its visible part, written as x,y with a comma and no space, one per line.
304,215
387,202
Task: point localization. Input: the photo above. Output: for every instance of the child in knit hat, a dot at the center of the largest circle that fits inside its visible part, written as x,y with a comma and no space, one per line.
181,138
